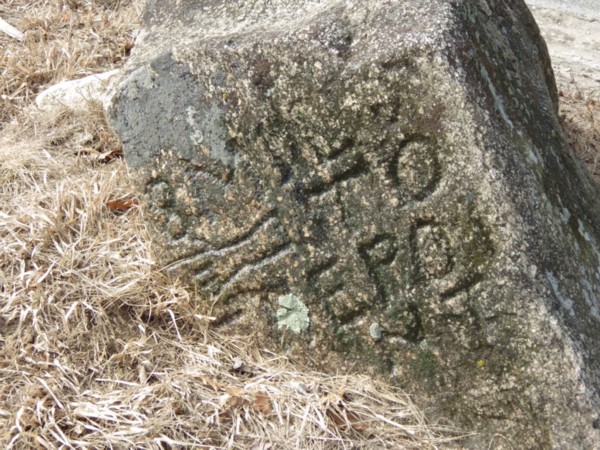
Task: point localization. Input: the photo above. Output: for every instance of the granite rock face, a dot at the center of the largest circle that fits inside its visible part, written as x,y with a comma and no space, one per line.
379,186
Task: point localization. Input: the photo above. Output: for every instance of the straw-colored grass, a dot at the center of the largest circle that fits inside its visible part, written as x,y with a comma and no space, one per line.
580,116
64,39
100,349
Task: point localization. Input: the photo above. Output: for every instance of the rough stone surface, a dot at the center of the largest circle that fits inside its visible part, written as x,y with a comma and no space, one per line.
379,186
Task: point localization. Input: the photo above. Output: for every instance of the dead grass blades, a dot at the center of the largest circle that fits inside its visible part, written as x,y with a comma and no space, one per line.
99,349
63,40
580,115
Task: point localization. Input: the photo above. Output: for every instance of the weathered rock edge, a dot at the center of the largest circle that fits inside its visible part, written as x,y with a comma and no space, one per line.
379,186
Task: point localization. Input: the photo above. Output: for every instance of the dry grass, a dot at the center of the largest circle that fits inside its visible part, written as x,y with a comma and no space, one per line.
64,39
98,347
580,116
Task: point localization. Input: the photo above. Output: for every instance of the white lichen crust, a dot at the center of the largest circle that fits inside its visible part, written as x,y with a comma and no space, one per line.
293,314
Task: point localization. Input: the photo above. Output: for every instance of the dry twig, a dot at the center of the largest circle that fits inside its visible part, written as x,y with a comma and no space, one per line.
10,30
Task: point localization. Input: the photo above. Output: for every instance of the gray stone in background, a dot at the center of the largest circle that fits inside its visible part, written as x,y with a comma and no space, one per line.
378,186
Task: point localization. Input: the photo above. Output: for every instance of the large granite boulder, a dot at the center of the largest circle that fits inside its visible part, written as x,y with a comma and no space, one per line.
378,186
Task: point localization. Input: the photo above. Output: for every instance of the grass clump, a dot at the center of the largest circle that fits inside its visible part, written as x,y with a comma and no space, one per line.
99,348
580,117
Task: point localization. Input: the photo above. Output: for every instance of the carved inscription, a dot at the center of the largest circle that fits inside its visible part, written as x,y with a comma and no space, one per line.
216,269
233,235
204,232
332,211
213,238
378,255
339,167
432,251
416,169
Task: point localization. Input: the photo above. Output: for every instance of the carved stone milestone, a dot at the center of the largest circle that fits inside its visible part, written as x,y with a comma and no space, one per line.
382,187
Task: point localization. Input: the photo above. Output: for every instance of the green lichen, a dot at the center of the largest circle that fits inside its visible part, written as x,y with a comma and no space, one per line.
293,314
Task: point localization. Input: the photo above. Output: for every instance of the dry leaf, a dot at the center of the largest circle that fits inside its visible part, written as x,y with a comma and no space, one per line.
122,204
110,155
262,403
215,384
335,406
104,157
234,391
233,401
128,46
355,421
342,417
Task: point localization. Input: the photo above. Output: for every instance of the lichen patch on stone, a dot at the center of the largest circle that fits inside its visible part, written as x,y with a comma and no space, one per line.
566,302
375,331
396,167
293,314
